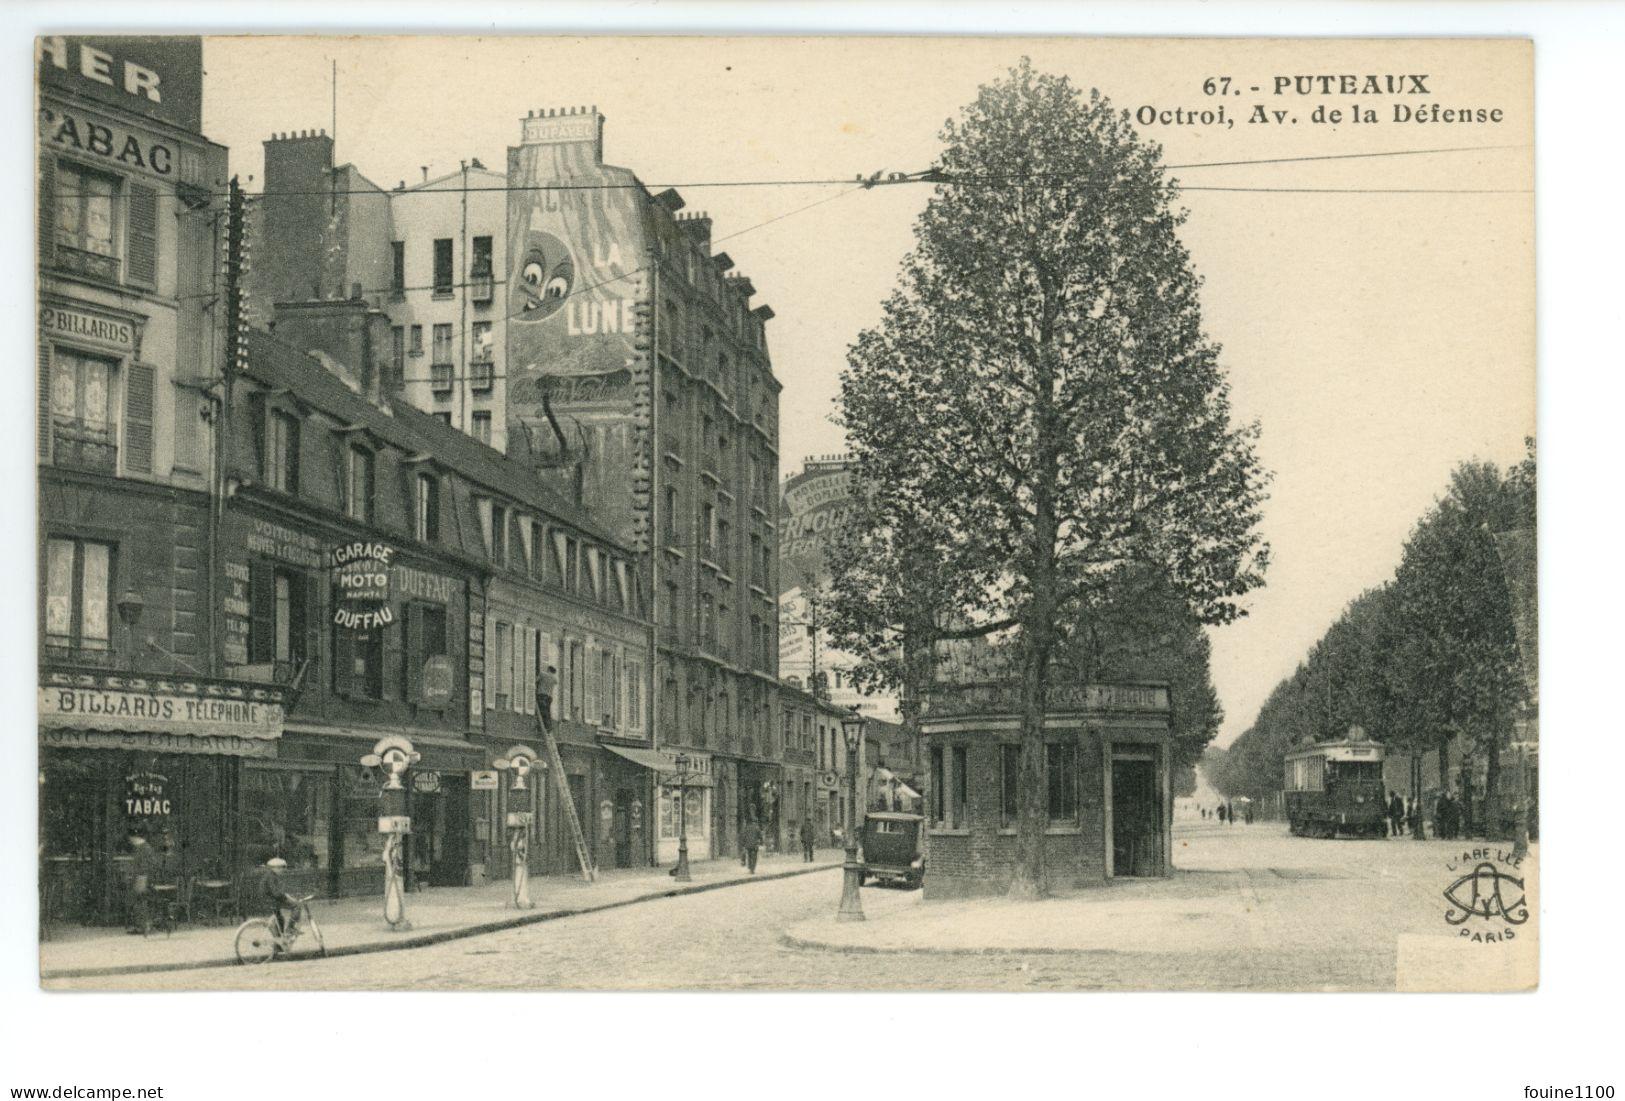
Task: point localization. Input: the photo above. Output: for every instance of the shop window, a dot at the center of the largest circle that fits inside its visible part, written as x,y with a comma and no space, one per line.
359,482
1009,785
277,615
692,800
78,578
1061,766
84,431
443,278
427,512
959,789
287,813
358,661
363,845
281,459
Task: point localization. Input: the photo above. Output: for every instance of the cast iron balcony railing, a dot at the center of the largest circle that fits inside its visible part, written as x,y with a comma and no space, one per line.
479,287
81,262
481,374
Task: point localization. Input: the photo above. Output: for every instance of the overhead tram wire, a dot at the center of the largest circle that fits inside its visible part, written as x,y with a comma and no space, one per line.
930,176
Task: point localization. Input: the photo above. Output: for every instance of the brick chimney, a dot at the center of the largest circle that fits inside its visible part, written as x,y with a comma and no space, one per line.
292,218
349,336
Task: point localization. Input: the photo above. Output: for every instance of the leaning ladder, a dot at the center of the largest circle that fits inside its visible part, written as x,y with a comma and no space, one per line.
556,766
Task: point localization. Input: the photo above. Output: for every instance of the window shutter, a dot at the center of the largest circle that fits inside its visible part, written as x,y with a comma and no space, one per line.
414,653
44,397
313,628
591,712
47,208
138,385
261,613
141,255
394,660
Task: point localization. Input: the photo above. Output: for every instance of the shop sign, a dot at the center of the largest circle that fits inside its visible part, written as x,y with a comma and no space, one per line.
394,823
157,711
224,745
361,573
77,134
60,321
160,77
829,780
436,682
483,780
237,613
146,795
285,544
426,782
519,818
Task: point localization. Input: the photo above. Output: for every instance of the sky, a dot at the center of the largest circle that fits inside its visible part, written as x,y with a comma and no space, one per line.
1378,337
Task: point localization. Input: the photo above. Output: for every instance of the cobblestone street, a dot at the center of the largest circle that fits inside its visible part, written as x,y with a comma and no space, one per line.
1249,908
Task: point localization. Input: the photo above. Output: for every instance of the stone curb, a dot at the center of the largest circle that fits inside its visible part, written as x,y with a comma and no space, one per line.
441,937
789,940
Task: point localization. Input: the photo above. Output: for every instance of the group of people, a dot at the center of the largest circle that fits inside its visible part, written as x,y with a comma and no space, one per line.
1404,814
1226,812
750,842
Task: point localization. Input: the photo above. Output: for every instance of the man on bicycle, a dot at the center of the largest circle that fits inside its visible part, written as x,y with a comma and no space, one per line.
284,907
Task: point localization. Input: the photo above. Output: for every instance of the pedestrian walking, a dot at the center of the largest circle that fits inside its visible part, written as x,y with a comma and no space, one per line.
750,840
1396,814
807,840
1413,816
1248,811
1221,812
144,862
1230,813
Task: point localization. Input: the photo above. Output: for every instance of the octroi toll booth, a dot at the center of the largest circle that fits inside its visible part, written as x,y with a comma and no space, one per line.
1109,795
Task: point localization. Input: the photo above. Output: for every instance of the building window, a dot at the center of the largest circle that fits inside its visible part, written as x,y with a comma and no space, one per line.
277,602
577,678
397,268
538,554
443,416
358,661
1009,785
571,565
397,350
708,622
938,787
499,535
83,429
502,659
428,508
282,452
708,528
671,515
959,789
482,372
443,278
86,214
1061,766
441,367
481,422
417,340
78,577
634,695
724,544
480,270
359,482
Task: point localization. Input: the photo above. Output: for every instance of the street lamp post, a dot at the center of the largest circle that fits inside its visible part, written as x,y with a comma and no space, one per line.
681,872
851,900
394,755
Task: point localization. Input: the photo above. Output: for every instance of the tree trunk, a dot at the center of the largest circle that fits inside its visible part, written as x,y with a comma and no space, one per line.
1492,787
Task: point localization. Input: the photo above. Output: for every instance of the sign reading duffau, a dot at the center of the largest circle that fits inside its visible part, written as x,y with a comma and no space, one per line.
361,572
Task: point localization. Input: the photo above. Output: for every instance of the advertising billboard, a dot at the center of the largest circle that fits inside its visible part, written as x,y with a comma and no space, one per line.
159,77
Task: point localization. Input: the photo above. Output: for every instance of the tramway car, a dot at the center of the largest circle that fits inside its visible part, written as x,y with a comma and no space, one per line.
1335,788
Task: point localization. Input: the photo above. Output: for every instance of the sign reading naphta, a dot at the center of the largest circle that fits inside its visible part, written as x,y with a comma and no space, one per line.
361,571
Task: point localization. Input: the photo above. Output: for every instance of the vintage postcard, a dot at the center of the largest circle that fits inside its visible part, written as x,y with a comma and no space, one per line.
786,514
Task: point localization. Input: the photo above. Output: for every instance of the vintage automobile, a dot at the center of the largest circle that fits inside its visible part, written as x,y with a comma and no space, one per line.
1336,788
892,850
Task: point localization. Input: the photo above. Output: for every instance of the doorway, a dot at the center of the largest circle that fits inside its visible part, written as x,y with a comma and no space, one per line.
623,827
1136,818
449,863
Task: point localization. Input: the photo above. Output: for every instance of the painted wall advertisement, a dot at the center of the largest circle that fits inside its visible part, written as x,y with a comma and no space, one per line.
813,507
575,284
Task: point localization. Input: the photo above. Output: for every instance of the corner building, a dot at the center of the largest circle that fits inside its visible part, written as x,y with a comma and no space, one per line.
653,361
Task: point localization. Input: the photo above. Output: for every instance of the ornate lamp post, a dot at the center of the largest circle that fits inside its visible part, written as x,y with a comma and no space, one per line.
682,873
519,761
851,901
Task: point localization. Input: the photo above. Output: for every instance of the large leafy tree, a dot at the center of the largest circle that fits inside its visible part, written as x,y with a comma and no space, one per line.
1040,390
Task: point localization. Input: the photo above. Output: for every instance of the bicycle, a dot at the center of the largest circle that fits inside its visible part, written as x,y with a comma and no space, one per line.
258,941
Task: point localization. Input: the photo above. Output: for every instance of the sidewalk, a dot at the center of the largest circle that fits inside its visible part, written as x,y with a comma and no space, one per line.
355,925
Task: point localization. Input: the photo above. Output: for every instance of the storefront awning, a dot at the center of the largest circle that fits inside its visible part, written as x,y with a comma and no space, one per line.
664,762
159,714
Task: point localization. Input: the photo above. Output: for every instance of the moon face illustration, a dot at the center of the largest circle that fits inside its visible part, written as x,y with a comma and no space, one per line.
546,274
